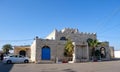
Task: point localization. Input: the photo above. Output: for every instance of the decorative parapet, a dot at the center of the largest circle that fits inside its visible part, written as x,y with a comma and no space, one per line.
71,30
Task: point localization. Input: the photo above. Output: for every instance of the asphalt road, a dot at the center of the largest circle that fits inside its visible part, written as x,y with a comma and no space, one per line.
111,66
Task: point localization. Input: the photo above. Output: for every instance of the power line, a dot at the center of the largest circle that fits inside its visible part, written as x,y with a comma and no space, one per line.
16,40
109,36
108,20
110,28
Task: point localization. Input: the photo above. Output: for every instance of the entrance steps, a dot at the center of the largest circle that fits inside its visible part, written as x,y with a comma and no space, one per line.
46,62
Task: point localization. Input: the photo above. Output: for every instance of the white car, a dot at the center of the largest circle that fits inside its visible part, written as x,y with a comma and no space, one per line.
15,59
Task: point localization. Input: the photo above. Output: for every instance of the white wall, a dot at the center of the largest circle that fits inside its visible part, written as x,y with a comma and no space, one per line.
117,54
33,51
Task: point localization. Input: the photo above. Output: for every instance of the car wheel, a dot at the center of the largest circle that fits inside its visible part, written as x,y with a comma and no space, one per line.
26,61
9,62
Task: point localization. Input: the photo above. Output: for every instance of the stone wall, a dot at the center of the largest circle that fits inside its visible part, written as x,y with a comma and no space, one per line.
112,52
107,50
56,47
69,33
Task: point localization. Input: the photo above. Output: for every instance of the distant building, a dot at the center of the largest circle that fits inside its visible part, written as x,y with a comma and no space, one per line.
22,50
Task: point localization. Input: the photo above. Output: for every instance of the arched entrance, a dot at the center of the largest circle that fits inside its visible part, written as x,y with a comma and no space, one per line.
103,52
22,52
45,53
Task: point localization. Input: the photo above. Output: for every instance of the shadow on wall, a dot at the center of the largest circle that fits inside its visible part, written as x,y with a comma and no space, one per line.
5,67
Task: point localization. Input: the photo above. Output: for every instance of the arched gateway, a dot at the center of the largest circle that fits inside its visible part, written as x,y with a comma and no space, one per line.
22,52
46,55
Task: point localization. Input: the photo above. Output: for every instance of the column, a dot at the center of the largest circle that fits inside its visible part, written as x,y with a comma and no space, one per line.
74,53
87,52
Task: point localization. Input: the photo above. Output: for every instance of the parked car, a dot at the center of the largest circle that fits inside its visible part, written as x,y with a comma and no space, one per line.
15,59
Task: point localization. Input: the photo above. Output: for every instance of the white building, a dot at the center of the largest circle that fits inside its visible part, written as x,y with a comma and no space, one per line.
117,54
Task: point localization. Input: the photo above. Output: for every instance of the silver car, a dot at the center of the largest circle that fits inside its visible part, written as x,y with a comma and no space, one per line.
15,59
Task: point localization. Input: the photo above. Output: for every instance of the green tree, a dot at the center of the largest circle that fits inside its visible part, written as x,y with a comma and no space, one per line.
93,43
6,48
69,48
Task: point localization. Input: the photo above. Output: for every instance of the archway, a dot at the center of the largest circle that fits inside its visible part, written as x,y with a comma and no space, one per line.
22,52
103,52
46,53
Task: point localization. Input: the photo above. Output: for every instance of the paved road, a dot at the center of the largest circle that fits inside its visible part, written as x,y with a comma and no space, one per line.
111,66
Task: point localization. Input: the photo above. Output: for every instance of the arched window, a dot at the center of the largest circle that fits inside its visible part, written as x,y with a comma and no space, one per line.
22,52
103,52
63,38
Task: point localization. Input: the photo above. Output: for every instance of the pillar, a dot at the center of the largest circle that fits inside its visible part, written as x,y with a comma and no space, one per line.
87,52
74,53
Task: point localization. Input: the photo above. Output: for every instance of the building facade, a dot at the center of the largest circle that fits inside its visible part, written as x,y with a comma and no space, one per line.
22,50
52,48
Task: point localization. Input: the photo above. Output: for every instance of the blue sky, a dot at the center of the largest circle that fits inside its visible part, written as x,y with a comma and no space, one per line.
22,20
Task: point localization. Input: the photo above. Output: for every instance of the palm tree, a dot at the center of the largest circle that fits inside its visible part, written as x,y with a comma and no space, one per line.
69,48
93,43
6,48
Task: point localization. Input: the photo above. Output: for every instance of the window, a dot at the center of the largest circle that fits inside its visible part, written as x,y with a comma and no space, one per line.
63,38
